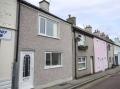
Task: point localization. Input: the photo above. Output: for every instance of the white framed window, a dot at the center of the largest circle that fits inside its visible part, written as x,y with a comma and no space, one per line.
82,63
53,60
82,40
48,27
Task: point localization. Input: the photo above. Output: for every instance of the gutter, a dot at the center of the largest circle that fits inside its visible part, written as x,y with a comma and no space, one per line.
39,9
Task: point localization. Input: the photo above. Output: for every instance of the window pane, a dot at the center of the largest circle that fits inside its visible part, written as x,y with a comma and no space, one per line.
42,25
55,30
83,59
49,30
82,40
56,58
26,66
82,65
47,59
79,60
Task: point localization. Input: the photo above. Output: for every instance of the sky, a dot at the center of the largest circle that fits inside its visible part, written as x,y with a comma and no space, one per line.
103,15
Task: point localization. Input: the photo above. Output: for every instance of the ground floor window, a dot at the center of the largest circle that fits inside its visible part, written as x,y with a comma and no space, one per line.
53,59
82,63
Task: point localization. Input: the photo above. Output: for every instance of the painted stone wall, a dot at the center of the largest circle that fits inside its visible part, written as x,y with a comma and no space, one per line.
100,50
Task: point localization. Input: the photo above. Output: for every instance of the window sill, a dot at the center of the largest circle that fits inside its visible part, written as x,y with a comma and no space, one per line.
82,69
52,67
49,36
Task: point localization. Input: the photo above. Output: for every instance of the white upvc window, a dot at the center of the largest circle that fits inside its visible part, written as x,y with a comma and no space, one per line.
48,27
82,40
53,60
82,63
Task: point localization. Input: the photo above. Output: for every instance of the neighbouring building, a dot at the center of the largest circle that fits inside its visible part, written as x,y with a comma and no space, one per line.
45,47
117,51
110,49
110,52
100,53
7,41
83,50
83,45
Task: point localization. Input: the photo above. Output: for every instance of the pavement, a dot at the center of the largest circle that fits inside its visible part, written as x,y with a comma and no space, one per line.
85,80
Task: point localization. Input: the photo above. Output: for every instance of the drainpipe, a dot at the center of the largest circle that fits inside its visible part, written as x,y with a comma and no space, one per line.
75,55
15,66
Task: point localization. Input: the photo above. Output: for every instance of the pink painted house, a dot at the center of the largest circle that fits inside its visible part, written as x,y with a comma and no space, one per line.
100,54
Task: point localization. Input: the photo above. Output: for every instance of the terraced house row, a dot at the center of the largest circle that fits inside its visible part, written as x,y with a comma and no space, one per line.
39,49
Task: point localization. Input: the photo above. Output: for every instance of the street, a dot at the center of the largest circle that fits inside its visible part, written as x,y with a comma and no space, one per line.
112,82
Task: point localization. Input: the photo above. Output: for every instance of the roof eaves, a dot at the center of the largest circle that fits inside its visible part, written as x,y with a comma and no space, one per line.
39,9
82,30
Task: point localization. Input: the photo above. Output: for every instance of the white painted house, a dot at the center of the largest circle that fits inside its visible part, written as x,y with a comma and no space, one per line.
7,41
117,51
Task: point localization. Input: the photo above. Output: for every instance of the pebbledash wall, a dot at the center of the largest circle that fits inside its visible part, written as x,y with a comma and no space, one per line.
100,53
30,39
7,41
117,51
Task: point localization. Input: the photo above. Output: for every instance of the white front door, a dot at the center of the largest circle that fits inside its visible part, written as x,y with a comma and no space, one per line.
26,70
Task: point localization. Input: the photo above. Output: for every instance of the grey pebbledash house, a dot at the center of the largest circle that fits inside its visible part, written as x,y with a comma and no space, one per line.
45,47
84,55
83,50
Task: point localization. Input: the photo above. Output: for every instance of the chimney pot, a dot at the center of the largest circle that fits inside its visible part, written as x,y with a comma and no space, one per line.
44,5
69,15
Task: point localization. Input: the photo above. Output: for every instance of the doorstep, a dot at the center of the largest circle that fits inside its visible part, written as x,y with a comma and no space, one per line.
84,80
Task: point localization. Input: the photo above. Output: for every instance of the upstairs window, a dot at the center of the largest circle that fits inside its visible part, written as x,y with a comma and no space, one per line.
42,25
82,41
48,27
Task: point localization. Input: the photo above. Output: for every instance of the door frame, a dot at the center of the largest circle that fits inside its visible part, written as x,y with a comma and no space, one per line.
20,71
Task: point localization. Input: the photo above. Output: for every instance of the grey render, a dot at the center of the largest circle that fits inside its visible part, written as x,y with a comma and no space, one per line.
110,55
30,40
81,53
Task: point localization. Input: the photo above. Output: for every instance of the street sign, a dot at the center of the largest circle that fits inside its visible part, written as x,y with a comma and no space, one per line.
5,34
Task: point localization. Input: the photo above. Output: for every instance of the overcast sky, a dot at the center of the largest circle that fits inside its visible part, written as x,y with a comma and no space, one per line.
100,14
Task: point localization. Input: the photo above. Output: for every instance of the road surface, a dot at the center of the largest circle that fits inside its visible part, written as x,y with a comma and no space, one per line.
112,82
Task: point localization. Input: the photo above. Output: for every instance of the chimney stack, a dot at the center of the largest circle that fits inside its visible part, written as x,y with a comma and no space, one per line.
88,28
97,33
44,5
72,20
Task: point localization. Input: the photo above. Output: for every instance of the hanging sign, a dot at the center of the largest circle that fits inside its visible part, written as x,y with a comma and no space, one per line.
5,34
